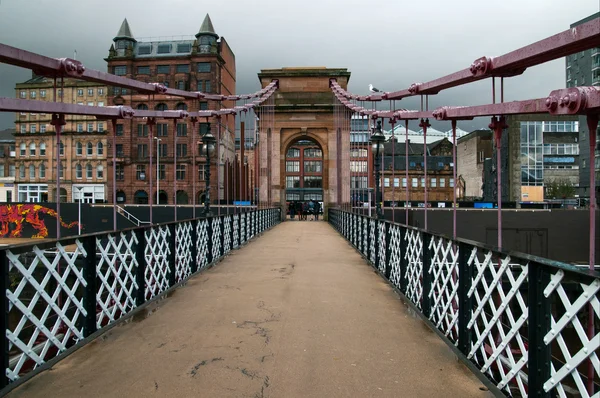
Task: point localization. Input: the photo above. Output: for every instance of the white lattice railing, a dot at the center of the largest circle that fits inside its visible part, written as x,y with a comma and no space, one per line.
60,292
531,325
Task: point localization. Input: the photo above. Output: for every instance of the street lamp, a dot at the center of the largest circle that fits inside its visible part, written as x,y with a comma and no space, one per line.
208,149
158,140
377,140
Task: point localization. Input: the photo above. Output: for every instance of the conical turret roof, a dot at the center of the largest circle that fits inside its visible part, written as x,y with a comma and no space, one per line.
124,32
207,28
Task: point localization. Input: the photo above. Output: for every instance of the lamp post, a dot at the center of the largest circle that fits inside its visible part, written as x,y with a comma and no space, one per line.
208,148
377,140
158,140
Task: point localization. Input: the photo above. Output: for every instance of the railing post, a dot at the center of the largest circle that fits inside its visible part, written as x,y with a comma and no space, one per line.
222,236
388,251
240,215
173,256
194,250
540,353
231,232
209,244
140,272
89,296
425,299
465,303
376,245
4,325
403,258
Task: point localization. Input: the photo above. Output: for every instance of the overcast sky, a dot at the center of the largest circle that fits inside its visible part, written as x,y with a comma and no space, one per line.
390,44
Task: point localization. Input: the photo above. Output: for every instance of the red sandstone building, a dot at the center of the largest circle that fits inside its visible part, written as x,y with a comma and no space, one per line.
204,63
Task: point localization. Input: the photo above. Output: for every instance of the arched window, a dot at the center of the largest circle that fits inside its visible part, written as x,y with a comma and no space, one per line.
78,149
163,198
100,149
78,171
42,170
121,197
88,171
22,171
142,107
161,107
100,172
182,198
32,149
181,106
140,198
90,149
31,172
43,149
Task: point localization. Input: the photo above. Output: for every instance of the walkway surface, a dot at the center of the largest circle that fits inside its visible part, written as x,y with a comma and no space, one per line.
295,313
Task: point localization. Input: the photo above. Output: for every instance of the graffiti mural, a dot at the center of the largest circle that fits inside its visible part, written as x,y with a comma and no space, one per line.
31,214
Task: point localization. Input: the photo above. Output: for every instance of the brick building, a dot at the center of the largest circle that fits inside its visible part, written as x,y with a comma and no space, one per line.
83,146
8,191
203,63
440,181
471,152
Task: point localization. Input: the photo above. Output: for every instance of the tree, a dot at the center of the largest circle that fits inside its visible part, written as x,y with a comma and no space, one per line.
560,189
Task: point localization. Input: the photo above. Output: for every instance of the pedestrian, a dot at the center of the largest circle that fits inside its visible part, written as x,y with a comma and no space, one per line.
300,212
317,210
305,210
311,207
292,210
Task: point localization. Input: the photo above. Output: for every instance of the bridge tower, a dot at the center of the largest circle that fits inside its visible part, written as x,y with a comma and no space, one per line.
303,119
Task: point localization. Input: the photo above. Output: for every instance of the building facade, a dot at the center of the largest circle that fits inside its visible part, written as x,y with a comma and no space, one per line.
471,152
362,179
583,69
8,191
203,63
83,145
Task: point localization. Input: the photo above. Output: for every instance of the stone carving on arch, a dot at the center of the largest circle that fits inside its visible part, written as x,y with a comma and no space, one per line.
303,135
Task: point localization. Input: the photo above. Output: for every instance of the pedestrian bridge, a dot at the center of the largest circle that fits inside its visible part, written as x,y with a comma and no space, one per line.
353,307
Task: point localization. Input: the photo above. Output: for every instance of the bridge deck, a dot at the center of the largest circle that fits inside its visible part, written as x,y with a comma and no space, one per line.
296,313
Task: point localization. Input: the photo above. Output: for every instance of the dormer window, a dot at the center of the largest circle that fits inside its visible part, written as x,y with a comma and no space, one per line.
163,49
144,50
184,48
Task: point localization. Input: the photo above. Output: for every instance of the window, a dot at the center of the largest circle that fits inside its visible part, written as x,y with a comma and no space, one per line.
422,182
358,153
42,170
161,107
358,182
181,130
120,70
161,129
100,103
43,149
100,91
182,68
32,128
201,172
32,94
181,85
386,182
204,67
292,166
442,183
433,182
80,127
11,170
415,182
22,171
23,128
120,172
358,166
396,182
23,94
42,128
119,150
1,170
162,150
116,91
143,70
142,130
313,182
163,49
204,128
61,170
292,181
119,129
99,149
144,50
451,182
207,86
90,92
90,127
100,172
181,150
80,92
90,103
180,172
293,153
204,106
312,166
31,172
200,85
89,149
100,126
78,149
43,93
404,182
142,150
23,149
313,153
59,93
32,149
162,172
88,171
163,69
78,171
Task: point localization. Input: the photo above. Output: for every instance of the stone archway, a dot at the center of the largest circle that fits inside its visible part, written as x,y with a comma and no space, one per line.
303,168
